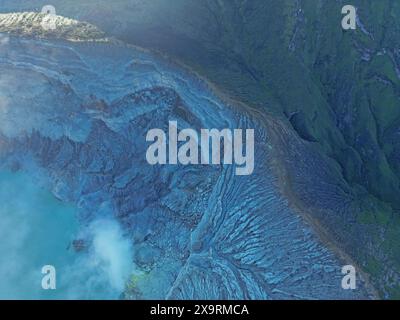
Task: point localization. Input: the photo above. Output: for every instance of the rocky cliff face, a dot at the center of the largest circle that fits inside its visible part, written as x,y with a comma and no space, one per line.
339,92
76,115
332,95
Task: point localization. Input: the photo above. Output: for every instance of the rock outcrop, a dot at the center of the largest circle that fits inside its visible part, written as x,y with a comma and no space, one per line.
43,25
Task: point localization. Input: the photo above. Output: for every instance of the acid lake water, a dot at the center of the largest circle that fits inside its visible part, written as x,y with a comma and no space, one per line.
36,230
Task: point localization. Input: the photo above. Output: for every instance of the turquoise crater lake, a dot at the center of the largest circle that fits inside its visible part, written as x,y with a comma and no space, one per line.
37,230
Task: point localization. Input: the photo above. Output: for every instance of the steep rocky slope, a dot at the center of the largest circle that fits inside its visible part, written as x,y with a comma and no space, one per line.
75,116
333,95
338,90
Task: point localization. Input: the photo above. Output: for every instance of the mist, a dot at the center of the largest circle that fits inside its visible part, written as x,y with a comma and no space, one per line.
111,252
37,230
